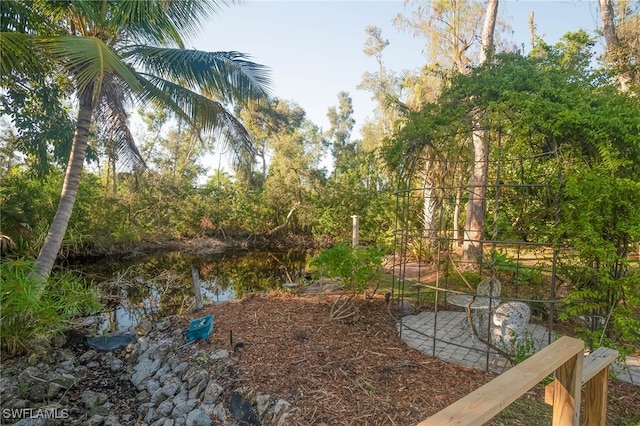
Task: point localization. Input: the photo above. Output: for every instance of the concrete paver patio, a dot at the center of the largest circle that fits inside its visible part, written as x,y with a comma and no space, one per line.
454,342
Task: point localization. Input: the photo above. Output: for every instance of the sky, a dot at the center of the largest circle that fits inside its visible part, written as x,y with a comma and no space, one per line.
314,49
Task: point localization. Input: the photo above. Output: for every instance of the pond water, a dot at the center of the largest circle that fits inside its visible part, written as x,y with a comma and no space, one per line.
162,284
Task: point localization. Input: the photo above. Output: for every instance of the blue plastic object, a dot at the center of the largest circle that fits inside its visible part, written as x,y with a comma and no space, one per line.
200,328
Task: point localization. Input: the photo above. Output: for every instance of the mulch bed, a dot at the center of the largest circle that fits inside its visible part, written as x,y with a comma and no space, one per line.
355,372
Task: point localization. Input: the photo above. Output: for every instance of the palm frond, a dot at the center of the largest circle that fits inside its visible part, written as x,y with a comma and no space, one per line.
225,75
112,117
163,22
14,16
18,54
89,60
32,17
196,109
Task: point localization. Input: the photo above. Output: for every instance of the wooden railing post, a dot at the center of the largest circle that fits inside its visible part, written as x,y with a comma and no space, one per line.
595,376
595,413
566,396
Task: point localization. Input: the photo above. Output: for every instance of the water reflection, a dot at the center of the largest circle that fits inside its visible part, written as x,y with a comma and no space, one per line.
162,284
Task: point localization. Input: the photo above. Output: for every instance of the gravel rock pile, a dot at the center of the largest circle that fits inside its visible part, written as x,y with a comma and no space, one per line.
155,380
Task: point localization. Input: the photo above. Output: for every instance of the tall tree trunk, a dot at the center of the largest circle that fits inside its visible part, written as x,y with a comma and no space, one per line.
115,176
457,231
488,29
474,225
108,174
532,30
472,247
53,242
608,25
611,39
430,206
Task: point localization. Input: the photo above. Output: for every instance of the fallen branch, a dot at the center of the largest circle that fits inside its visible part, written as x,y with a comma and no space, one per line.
286,221
342,309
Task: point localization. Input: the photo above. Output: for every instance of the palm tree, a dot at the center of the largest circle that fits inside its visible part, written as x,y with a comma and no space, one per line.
117,52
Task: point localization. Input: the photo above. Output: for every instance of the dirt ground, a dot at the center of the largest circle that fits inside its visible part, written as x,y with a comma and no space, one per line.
357,372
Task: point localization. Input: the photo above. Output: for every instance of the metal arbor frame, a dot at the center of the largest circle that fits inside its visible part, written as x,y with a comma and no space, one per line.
522,201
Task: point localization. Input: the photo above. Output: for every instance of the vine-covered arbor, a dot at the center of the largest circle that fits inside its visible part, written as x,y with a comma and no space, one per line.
436,259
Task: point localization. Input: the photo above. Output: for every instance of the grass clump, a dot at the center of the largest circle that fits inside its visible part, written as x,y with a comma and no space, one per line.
31,309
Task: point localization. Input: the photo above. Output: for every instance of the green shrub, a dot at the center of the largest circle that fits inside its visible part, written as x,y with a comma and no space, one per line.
606,307
356,266
519,274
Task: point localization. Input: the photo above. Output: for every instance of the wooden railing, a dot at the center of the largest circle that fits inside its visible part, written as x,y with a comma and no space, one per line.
595,379
565,357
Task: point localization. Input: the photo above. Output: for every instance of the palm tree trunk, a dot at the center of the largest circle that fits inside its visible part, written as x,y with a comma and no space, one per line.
53,242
